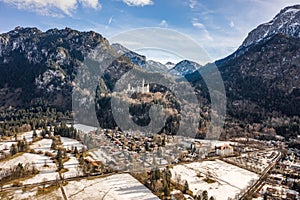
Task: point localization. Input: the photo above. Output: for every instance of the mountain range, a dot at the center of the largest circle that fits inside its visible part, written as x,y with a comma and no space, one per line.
261,77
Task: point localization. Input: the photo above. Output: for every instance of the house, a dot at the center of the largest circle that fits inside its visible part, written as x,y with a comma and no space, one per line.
224,150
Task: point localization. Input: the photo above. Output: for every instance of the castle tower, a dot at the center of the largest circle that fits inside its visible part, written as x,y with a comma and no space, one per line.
143,86
129,87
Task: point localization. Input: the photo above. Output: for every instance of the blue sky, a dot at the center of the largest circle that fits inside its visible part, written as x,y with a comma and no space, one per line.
218,26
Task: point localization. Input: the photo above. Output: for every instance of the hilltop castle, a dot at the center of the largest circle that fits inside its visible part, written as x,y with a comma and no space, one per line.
143,89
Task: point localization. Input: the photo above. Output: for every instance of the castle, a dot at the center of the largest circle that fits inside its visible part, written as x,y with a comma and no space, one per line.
143,89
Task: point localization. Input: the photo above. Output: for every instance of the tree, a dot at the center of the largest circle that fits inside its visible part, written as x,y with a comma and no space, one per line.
58,155
19,169
146,146
163,142
44,183
159,152
43,133
167,176
212,198
75,151
53,144
166,190
81,159
265,196
205,195
60,164
21,146
13,149
185,187
34,134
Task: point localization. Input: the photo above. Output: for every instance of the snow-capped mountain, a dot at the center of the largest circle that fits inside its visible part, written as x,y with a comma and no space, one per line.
136,58
287,22
262,78
184,67
140,60
170,65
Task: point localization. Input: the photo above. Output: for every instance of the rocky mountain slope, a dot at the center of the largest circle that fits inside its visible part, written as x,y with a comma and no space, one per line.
287,22
140,60
262,77
36,64
184,67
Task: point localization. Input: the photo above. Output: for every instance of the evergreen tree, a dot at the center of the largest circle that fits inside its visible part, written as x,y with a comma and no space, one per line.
81,159
60,164
13,149
43,133
167,190
75,151
53,144
185,187
58,155
205,195
34,134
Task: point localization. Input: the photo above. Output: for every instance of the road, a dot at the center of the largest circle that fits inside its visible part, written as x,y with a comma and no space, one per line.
264,174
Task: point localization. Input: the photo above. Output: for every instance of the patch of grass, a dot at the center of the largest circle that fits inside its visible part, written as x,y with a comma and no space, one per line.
17,180
65,159
47,190
11,157
63,170
4,195
209,180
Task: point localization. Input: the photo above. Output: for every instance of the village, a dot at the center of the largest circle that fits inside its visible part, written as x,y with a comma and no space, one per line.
68,161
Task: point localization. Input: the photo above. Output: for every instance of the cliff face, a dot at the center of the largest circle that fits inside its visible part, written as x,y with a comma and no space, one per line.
262,77
287,22
36,64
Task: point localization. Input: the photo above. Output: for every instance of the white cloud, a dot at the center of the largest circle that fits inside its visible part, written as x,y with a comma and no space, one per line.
91,4
198,25
231,24
56,8
163,23
204,32
138,2
192,3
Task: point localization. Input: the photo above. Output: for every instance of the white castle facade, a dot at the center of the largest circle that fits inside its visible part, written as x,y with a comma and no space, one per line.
142,89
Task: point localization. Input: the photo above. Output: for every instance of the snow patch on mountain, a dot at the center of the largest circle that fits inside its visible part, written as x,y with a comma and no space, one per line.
286,22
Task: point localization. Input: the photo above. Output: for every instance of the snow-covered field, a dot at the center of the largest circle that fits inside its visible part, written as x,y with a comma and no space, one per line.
119,186
33,159
84,128
37,160
69,142
6,145
99,154
28,135
45,175
230,180
30,194
73,167
42,145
